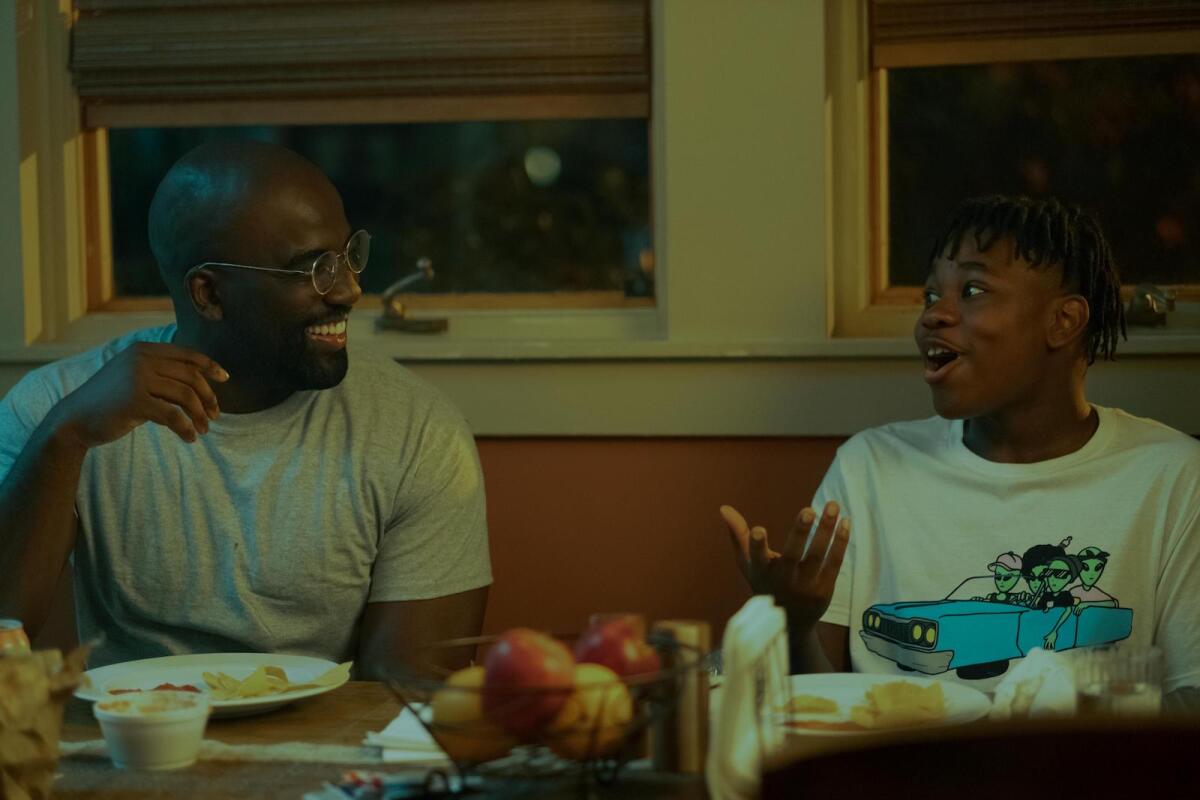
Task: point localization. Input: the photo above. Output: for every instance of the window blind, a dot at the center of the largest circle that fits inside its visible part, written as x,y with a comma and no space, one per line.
908,33
162,62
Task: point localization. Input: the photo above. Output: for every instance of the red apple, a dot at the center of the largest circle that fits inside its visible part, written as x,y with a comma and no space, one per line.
617,644
528,677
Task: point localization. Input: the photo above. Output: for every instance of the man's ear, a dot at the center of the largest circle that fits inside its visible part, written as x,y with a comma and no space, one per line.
1070,321
206,299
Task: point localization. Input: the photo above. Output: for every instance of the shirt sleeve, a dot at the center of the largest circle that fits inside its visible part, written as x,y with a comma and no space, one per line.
834,487
1178,606
436,543
21,411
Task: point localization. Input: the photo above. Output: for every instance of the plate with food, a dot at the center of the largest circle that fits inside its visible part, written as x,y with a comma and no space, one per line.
855,703
237,684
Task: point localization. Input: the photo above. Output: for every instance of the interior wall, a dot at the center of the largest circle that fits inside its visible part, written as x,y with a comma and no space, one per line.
579,526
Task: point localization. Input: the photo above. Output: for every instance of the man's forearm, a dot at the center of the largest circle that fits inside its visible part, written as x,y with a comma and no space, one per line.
37,521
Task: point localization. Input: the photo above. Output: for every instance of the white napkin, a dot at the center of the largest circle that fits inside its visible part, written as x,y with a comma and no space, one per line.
1042,684
406,741
741,732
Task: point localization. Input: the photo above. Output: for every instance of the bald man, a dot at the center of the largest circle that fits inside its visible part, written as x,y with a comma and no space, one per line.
234,481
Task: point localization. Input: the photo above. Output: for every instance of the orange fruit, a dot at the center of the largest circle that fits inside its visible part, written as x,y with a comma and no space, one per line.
595,718
459,724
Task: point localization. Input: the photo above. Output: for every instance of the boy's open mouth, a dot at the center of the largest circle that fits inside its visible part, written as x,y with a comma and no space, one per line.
938,362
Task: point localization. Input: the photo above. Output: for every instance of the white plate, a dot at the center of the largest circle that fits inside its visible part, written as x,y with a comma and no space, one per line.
150,672
963,704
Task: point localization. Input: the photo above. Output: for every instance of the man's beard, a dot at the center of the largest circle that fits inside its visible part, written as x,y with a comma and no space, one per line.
291,360
303,367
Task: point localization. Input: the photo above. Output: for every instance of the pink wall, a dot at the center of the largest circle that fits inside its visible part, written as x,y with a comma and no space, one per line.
584,525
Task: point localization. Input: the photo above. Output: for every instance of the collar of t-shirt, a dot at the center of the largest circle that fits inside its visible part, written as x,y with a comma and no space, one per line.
1096,445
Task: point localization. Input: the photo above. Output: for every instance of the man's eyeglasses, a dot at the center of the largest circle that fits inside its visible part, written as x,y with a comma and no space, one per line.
324,269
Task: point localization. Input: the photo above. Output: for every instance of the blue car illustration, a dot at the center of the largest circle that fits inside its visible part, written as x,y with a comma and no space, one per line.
977,638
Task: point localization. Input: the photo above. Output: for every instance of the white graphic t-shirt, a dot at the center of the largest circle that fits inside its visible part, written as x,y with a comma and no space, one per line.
958,565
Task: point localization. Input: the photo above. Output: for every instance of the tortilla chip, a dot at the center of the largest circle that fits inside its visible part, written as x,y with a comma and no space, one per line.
900,704
811,704
269,680
33,689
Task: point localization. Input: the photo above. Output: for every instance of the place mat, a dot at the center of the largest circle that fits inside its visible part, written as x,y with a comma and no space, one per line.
211,750
96,779
88,778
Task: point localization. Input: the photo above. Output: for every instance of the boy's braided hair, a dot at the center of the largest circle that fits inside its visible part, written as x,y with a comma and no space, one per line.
1048,234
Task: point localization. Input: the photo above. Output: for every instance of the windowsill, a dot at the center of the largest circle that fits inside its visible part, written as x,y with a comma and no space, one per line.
597,336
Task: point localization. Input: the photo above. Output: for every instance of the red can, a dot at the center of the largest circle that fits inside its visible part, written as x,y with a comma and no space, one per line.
13,641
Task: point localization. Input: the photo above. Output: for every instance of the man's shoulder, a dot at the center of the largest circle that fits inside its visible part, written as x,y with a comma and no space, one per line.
378,382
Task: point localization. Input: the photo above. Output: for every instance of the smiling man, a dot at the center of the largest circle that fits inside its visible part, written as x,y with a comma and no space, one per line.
1022,297
236,481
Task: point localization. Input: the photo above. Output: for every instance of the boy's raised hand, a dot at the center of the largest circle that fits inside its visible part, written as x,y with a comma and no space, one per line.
801,582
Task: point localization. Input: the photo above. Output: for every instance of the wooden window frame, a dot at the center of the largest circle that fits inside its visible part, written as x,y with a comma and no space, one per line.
865,303
101,293
600,97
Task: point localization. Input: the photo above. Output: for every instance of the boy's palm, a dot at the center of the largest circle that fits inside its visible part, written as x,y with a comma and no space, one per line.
801,582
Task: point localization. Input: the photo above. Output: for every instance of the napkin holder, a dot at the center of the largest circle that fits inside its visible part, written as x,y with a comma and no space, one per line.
743,733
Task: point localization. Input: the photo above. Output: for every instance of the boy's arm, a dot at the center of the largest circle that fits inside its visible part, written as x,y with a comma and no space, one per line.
830,652
146,382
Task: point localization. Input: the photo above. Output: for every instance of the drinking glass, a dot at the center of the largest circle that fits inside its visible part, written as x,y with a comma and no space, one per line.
1123,680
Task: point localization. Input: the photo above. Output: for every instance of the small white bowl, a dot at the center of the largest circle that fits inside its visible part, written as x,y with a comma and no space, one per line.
153,730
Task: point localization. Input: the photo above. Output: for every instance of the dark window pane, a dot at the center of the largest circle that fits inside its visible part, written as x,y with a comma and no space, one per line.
532,206
1116,136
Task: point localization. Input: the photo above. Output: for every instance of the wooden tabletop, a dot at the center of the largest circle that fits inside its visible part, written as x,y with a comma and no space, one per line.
340,717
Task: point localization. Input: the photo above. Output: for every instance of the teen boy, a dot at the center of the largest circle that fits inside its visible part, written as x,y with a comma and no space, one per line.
1022,296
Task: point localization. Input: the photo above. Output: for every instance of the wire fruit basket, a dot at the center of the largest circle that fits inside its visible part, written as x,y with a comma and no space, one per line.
586,732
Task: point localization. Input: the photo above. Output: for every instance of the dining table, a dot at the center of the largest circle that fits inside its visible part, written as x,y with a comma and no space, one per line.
297,735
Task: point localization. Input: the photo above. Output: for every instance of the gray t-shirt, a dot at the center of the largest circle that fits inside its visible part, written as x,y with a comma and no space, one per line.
272,531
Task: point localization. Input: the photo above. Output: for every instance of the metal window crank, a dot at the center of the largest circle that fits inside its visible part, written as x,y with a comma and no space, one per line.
1149,306
395,313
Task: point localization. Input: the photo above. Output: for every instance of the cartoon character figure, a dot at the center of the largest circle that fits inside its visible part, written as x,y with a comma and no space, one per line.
1057,575
1092,561
1006,570
1033,567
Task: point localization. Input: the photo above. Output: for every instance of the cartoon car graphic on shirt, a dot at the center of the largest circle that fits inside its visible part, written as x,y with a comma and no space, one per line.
978,638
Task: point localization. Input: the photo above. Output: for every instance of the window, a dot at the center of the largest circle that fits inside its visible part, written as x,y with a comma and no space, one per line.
1115,135
1098,104
506,142
499,208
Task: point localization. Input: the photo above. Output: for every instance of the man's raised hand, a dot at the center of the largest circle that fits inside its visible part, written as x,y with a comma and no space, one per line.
146,382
